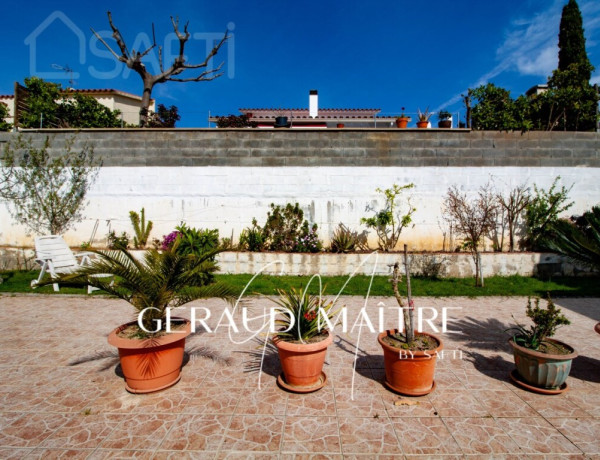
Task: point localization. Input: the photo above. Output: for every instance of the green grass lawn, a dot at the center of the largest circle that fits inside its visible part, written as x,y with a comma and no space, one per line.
19,281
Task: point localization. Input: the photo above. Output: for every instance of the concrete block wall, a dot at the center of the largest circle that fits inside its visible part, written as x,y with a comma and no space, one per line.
223,178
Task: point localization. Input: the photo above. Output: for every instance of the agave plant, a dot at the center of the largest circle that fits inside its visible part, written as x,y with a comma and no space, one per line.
302,313
159,282
579,240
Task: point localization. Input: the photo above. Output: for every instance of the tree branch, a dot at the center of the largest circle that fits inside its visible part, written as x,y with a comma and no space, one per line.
204,76
118,38
117,57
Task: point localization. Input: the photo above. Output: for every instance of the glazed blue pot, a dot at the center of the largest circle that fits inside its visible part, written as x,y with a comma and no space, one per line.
543,370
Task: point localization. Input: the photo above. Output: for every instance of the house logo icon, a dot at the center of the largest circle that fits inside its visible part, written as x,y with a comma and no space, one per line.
32,39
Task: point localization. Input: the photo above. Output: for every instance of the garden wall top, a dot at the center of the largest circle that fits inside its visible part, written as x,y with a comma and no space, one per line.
331,147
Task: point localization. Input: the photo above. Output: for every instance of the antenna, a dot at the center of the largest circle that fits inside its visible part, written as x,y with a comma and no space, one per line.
66,69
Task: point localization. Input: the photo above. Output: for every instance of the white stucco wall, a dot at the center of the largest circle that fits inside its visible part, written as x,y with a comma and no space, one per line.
228,198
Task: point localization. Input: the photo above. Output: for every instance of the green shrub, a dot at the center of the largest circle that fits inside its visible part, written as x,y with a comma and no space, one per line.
542,212
545,323
196,241
117,242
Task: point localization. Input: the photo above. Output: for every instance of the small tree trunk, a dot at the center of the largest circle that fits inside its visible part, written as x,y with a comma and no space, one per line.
479,268
410,328
146,97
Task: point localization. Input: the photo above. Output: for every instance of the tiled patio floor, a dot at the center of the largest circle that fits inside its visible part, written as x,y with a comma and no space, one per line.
53,409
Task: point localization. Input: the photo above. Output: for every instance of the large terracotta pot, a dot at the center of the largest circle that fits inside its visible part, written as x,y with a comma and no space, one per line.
151,364
302,363
543,370
402,122
422,124
409,373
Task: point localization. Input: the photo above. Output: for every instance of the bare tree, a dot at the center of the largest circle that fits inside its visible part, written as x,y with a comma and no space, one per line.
133,60
471,219
513,206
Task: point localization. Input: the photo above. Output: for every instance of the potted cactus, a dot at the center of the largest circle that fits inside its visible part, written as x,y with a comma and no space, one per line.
542,363
423,118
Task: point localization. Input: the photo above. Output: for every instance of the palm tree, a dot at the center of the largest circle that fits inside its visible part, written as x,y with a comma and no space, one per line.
579,240
159,282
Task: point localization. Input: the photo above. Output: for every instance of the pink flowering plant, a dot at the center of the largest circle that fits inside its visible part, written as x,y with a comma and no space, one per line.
308,241
169,240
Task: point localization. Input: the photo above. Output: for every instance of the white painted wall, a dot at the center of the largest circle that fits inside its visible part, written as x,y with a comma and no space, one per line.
228,198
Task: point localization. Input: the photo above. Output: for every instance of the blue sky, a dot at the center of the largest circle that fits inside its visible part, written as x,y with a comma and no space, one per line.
386,54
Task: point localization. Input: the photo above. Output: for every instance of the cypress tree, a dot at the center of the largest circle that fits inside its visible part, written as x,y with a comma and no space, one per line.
571,42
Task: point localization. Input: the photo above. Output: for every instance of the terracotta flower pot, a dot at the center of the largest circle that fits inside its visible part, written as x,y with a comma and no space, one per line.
340,125
406,372
422,124
302,363
402,122
151,364
543,370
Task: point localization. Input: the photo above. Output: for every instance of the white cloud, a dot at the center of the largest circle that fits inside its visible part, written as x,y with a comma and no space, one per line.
530,46
595,80
542,64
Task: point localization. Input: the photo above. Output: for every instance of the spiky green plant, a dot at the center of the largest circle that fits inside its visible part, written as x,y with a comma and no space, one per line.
579,240
141,228
344,240
300,314
159,282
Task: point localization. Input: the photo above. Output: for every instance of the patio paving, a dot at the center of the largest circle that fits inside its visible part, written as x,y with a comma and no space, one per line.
62,396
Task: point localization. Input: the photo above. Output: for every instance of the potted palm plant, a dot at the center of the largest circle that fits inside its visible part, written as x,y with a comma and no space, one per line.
423,118
444,119
409,356
402,120
542,364
302,339
151,348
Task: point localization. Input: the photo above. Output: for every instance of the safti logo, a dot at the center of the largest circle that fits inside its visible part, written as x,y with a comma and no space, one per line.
90,45
32,40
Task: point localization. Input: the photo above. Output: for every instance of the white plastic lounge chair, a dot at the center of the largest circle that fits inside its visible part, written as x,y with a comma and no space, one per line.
56,258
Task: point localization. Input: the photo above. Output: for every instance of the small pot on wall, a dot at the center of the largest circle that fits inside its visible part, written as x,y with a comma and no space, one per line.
445,124
422,124
402,122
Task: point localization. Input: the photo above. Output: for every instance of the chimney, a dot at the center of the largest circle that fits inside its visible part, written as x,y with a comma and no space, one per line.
313,104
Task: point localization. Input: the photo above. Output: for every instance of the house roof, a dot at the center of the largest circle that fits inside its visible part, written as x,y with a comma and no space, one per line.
258,113
105,91
7,96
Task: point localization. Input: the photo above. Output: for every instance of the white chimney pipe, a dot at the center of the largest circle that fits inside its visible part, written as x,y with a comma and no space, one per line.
313,104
